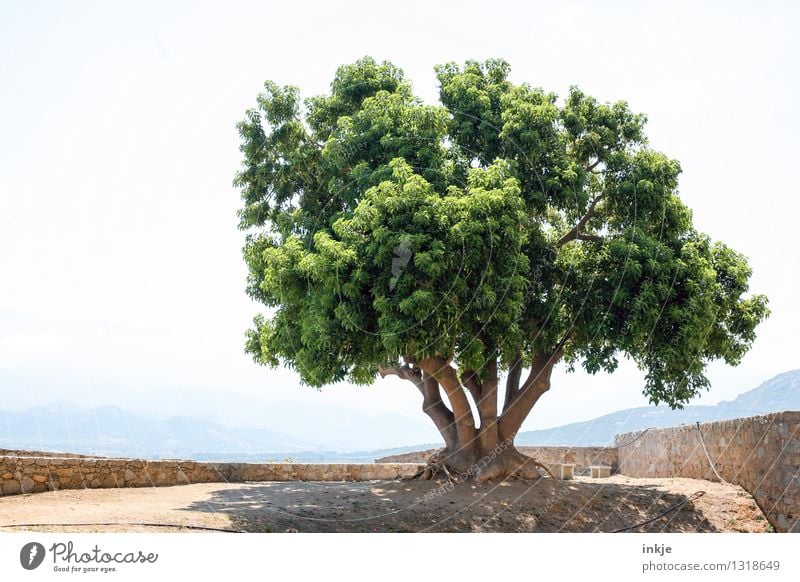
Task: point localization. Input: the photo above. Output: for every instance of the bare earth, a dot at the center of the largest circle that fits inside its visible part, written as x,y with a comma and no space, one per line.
547,505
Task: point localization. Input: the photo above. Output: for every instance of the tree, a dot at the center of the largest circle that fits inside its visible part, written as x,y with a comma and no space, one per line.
476,243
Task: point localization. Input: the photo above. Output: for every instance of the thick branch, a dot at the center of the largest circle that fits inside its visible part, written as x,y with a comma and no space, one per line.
469,378
432,403
592,166
437,410
575,232
440,369
512,382
405,372
536,384
487,407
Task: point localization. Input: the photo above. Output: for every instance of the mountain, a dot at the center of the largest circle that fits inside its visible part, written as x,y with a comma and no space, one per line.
116,431
331,428
777,394
112,431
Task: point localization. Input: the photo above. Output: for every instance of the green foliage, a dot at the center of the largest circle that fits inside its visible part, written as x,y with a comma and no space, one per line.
502,223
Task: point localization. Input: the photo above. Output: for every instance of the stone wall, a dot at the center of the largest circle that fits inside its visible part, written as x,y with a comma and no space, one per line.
30,474
581,457
415,457
761,454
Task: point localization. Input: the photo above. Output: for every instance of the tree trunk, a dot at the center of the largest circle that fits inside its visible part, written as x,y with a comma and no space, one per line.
488,452
485,452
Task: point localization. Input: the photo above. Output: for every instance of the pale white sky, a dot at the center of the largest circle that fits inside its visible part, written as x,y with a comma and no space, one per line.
120,264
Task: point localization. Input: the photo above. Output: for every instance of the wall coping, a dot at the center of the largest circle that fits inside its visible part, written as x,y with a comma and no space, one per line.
143,460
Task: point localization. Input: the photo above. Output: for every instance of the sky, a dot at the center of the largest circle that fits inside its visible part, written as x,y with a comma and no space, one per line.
120,260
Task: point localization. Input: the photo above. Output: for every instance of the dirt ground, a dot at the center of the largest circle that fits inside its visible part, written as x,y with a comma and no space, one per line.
547,505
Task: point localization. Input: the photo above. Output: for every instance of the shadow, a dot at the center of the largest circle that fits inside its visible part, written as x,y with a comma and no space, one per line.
545,505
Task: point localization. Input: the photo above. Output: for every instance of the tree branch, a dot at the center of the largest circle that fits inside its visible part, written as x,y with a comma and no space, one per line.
432,403
469,378
536,384
575,232
592,166
437,410
512,382
442,372
487,407
405,372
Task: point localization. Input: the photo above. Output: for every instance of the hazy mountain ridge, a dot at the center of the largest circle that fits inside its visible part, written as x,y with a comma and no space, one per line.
779,393
109,430
330,428
114,431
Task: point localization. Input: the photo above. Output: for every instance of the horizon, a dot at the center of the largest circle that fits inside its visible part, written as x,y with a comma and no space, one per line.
319,452
121,406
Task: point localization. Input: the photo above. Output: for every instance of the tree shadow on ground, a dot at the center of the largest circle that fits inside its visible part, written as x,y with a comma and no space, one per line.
545,505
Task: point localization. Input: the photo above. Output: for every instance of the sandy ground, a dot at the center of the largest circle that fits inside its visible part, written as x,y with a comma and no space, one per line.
583,505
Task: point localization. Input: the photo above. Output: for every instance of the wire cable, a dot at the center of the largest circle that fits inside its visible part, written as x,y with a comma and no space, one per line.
677,506
640,435
710,462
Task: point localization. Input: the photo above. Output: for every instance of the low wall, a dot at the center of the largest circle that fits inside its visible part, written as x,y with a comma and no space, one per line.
581,457
26,474
761,454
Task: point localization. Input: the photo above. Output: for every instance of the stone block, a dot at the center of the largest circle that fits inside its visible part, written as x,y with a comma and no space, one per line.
564,471
110,481
10,487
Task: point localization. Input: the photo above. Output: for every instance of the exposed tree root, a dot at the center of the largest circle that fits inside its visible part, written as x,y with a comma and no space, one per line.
453,468
538,465
434,470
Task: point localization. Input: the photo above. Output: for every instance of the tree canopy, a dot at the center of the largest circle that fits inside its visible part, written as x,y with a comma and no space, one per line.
501,229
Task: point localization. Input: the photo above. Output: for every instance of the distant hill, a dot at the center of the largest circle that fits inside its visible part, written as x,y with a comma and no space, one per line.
329,428
111,431
777,394
114,431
